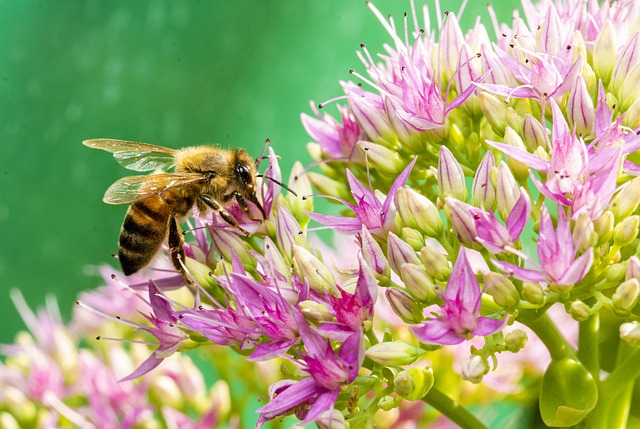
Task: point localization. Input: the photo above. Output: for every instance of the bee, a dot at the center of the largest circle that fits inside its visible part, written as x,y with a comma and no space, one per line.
207,177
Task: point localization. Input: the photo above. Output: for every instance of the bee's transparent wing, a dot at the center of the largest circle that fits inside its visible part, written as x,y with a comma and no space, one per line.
135,188
136,156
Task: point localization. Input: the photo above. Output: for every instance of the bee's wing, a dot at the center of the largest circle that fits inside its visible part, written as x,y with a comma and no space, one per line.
135,188
136,156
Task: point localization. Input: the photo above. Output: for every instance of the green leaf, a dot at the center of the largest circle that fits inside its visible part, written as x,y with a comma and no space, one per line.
568,393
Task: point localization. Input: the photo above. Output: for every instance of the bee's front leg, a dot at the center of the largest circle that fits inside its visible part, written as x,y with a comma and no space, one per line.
243,205
216,206
176,247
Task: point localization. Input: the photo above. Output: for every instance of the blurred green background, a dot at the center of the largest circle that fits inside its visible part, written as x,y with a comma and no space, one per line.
173,73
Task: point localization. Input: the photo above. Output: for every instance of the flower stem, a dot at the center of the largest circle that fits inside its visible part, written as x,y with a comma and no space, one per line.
548,333
588,352
452,409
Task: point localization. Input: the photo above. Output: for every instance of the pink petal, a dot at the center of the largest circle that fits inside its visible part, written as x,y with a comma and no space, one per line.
519,272
439,332
487,326
521,155
578,269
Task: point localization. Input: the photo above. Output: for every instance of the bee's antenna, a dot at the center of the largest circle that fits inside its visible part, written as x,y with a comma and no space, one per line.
282,185
262,155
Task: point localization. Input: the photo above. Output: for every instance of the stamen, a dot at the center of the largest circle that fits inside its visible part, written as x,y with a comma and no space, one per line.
390,29
277,182
264,149
368,82
76,418
106,316
331,100
124,340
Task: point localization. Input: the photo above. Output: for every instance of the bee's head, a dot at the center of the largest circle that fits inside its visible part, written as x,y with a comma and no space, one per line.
245,171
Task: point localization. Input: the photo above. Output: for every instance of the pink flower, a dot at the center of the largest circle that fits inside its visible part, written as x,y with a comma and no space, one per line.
461,309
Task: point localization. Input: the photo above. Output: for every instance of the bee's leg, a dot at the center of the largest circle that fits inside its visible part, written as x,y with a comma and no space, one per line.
176,248
243,204
216,206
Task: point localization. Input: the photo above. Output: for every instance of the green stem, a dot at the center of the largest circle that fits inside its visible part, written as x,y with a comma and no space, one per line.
452,409
615,392
548,333
588,351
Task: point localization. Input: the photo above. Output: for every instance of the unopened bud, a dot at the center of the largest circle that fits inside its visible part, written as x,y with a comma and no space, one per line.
374,256
616,272
328,186
331,419
604,226
626,201
299,181
435,263
418,212
502,290
483,193
462,220
580,109
202,273
418,283
584,235
519,170
580,311
399,253
387,403
164,389
451,180
289,233
228,244
313,271
515,340
413,238
626,231
315,311
534,133
474,369
533,293
633,268
7,421
404,306
381,158
626,297
630,333
507,190
631,117
395,353
494,111
605,52
413,383
22,408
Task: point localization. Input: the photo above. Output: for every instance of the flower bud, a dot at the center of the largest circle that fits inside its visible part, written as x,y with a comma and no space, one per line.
604,227
369,113
474,369
395,353
515,340
605,52
630,333
7,421
580,109
299,181
331,419
202,273
374,256
288,232
494,111
404,306
584,235
507,190
21,407
413,238
315,311
462,220
580,311
418,212
227,244
165,390
451,181
631,118
624,67
383,159
626,231
626,201
418,283
435,263
633,268
501,289
312,270
327,186
413,383
534,133
630,90
616,272
483,193
626,297
519,170
399,252
533,293
387,403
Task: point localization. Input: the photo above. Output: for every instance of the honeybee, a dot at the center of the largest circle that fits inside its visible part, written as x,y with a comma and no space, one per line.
208,177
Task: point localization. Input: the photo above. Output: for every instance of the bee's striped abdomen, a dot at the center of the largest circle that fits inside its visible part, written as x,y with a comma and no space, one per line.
143,231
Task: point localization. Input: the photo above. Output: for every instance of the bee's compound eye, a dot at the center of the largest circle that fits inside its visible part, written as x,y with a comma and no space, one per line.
244,174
